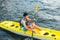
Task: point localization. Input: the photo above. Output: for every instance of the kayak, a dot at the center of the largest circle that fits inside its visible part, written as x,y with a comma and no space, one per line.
14,27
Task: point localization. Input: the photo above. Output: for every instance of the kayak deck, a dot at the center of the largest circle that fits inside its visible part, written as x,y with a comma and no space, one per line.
15,27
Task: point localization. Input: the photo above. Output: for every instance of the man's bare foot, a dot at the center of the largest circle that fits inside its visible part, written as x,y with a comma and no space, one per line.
42,32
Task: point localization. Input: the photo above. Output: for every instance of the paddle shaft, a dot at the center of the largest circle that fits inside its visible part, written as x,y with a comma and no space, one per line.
36,9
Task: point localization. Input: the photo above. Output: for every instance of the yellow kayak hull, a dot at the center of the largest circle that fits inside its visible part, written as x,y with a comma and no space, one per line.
15,28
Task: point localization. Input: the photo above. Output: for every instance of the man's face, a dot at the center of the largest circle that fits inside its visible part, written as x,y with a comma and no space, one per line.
26,16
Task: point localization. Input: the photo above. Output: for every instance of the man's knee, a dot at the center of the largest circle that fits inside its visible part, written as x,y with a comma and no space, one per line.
33,24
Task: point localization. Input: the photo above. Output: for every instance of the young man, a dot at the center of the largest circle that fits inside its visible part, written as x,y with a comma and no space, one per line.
26,25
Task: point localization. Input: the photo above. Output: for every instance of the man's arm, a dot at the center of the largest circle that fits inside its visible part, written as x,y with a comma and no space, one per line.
23,22
27,27
30,19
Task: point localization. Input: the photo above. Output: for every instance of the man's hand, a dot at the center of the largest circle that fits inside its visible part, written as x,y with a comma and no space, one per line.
34,19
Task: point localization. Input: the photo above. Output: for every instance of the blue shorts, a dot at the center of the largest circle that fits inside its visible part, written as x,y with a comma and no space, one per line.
22,28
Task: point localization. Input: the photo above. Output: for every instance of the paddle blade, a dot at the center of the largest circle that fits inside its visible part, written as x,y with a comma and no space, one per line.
36,8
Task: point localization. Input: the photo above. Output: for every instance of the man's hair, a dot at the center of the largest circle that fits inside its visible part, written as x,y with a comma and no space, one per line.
25,14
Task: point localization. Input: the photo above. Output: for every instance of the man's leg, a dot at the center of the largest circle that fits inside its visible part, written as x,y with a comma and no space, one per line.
41,31
38,33
36,26
31,28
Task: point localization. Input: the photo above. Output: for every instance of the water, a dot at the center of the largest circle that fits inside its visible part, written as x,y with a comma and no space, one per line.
48,14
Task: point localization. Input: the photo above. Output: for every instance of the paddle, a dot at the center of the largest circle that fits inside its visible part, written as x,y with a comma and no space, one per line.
35,11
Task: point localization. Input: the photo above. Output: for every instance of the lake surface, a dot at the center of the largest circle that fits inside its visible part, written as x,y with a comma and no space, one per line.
48,14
